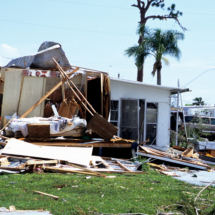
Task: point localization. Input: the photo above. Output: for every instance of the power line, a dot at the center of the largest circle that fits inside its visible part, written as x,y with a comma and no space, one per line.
67,28
49,26
199,76
97,5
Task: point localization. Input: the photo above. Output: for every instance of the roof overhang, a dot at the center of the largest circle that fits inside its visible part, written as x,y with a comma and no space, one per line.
173,90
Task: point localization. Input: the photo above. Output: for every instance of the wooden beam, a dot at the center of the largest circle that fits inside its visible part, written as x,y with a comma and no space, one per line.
63,91
34,162
46,194
87,170
122,166
44,97
104,145
70,171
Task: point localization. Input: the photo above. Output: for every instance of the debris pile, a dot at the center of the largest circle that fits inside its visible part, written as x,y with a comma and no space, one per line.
57,114
56,126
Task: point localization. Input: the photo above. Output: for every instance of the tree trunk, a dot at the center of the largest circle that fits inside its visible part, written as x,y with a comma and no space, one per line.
140,74
140,71
159,67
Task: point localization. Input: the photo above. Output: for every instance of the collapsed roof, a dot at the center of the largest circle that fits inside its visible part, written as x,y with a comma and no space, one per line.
43,58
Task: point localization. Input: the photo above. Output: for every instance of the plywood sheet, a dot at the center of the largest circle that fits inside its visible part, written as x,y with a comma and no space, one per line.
77,155
12,87
33,89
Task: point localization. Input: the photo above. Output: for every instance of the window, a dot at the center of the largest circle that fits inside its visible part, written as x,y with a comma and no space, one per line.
191,119
114,111
188,118
151,122
212,121
129,119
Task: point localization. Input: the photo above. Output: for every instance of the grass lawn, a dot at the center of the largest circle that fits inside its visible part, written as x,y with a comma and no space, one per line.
140,193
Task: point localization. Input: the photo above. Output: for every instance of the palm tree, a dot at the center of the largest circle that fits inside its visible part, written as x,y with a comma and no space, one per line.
198,101
157,43
163,43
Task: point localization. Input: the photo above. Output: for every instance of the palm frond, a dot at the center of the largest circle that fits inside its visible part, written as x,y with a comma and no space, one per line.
154,69
132,51
166,61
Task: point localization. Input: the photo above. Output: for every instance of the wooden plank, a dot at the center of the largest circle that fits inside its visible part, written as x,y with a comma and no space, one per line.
102,86
1,87
46,194
35,162
12,86
122,166
87,170
67,170
104,145
149,150
33,89
63,91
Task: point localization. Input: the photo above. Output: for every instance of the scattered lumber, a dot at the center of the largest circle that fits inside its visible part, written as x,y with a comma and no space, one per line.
123,166
170,158
46,194
35,162
87,170
67,170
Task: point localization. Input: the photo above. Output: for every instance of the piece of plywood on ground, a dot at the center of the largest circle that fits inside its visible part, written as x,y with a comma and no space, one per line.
12,87
33,89
77,155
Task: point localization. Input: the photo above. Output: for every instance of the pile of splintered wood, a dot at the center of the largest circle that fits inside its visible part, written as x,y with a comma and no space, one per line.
163,154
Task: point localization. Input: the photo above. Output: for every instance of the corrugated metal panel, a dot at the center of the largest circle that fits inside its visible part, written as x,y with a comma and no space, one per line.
21,62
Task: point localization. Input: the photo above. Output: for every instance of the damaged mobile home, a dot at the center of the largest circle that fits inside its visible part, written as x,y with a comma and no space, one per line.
140,111
63,112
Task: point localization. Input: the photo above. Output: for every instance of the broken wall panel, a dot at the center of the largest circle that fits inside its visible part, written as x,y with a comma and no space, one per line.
33,89
12,88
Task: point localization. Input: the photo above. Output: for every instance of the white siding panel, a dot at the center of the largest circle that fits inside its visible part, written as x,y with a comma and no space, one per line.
163,124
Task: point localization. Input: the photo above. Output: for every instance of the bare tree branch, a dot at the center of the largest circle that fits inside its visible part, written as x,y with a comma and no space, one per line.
161,1
134,5
166,17
139,2
204,189
143,3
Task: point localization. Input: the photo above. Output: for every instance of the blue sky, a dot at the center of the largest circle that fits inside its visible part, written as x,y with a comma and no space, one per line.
95,33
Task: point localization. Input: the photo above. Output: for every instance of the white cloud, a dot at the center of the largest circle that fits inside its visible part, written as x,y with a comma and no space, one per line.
7,53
